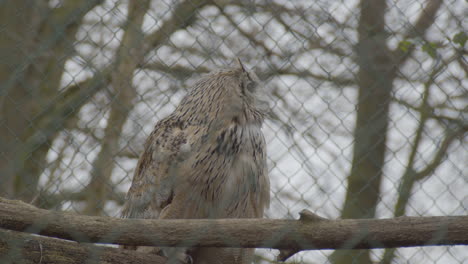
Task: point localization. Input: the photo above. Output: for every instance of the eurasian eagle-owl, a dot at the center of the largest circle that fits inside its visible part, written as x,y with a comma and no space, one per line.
207,160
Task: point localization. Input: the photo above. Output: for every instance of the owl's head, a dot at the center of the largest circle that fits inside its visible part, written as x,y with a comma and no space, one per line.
231,94
245,95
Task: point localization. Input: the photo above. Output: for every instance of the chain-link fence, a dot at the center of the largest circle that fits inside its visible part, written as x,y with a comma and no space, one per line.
369,103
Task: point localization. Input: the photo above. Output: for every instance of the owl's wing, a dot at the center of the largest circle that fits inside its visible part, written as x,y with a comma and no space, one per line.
153,183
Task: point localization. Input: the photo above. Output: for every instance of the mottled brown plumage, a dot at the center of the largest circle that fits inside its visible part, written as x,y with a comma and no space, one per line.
206,160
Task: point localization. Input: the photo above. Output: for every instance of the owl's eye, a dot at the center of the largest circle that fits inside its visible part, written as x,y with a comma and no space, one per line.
251,85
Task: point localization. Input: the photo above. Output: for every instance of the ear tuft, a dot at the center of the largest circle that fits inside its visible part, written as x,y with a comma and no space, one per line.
241,66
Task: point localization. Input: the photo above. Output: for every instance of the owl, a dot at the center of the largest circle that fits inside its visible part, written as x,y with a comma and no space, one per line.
205,160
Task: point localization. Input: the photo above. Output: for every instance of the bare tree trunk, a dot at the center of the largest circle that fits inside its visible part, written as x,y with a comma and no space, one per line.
377,69
36,43
129,55
375,80
21,21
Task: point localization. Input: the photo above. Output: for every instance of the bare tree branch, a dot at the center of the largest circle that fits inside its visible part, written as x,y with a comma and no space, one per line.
79,93
261,233
183,15
181,72
441,152
410,176
129,56
425,19
462,61
65,20
315,42
73,98
178,71
52,200
419,29
429,112
337,80
17,247
247,35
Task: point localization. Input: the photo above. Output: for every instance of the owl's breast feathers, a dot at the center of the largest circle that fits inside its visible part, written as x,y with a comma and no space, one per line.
200,170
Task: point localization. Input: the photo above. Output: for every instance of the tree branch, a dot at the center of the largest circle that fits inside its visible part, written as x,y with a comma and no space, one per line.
16,247
47,125
441,152
249,35
248,233
183,15
340,81
63,23
128,56
177,71
315,42
425,19
181,72
52,200
410,176
419,29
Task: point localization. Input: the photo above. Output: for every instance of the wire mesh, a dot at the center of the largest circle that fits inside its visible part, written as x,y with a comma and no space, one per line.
381,107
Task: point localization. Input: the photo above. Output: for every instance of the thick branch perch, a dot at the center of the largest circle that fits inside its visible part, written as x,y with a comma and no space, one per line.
259,233
16,247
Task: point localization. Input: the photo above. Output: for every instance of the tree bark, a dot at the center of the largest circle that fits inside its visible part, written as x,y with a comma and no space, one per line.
300,234
377,70
16,247
375,78
34,37
20,21
129,55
